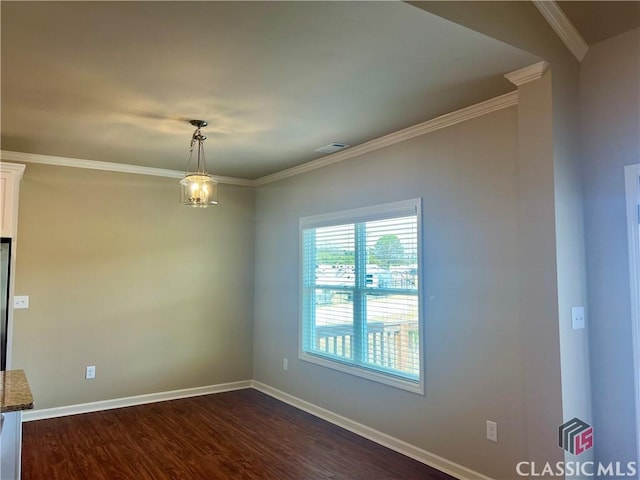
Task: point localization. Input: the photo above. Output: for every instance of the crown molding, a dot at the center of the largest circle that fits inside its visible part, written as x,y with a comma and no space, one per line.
527,74
6,155
446,120
498,103
16,169
563,27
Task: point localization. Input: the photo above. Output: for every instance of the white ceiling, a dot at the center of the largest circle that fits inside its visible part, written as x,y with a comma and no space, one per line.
116,81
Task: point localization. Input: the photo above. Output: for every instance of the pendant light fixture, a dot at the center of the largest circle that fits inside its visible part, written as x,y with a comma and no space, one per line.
198,189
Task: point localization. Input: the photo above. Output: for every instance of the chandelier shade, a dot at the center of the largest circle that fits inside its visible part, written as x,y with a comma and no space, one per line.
198,188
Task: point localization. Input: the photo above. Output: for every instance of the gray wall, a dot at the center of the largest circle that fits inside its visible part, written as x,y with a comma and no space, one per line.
468,178
570,249
123,277
609,95
559,176
537,269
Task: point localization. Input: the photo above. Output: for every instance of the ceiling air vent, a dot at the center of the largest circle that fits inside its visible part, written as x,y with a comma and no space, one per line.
332,148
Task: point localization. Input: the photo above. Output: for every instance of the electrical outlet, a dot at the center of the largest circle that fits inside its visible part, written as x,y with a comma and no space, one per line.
90,372
492,431
285,364
577,317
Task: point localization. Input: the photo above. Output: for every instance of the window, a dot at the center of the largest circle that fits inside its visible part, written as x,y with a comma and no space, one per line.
361,302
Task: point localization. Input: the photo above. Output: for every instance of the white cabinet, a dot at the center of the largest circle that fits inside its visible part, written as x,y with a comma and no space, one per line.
14,398
11,446
10,176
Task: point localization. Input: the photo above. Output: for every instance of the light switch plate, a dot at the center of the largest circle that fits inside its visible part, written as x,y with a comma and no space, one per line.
492,431
21,301
577,318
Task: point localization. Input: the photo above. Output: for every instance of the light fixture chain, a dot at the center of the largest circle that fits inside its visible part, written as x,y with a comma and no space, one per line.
191,145
201,147
199,139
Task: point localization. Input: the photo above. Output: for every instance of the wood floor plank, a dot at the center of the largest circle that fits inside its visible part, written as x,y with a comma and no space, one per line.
234,435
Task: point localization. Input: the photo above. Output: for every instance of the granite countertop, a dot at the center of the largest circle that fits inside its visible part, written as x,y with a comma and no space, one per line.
15,394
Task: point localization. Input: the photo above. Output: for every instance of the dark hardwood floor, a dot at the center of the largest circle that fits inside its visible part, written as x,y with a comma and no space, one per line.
237,435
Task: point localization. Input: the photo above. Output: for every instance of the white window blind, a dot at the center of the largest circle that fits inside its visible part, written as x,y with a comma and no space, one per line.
361,293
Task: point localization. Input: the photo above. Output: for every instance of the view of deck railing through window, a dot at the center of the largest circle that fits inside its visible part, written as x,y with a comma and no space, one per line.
361,292
392,333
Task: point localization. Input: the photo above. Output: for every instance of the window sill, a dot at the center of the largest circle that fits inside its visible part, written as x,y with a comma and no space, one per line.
363,372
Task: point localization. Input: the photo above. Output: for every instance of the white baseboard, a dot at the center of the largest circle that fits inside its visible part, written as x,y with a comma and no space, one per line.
30,415
422,456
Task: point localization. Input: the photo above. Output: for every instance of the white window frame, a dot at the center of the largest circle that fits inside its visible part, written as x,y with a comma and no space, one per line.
387,210
632,188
